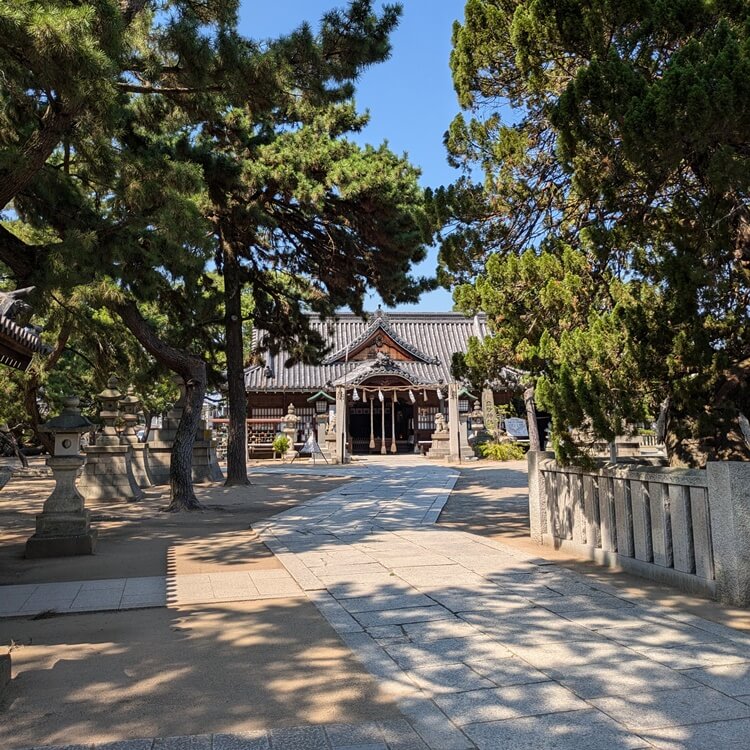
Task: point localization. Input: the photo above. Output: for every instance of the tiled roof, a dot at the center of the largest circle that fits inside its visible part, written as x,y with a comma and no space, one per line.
434,336
18,344
380,322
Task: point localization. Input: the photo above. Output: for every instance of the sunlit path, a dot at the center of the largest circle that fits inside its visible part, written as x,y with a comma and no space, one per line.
487,646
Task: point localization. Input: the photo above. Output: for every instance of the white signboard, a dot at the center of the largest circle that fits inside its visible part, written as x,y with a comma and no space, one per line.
311,446
516,427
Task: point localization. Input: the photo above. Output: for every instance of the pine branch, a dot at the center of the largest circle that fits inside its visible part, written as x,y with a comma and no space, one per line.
133,88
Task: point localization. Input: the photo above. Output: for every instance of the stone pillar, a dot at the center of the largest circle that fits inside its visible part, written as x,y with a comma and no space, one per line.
467,452
290,429
321,423
341,455
488,410
537,495
729,507
161,439
205,459
205,464
330,441
63,528
129,406
453,422
108,471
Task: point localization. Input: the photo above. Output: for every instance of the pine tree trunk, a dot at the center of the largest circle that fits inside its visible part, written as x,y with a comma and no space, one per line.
236,446
193,372
149,417
55,122
32,409
181,464
7,435
535,444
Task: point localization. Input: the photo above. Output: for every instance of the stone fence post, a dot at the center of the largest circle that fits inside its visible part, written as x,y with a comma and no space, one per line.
537,495
729,503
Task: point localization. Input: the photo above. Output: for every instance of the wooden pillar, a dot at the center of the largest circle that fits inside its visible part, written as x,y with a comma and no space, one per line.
341,456
393,423
371,397
383,449
453,423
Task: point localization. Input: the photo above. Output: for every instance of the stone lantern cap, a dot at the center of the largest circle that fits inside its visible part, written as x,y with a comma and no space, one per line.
111,392
130,399
70,419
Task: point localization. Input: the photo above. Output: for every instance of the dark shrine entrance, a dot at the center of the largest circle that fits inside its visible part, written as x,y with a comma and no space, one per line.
374,425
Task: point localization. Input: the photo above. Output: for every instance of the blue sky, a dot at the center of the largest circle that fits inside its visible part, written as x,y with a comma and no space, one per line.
410,97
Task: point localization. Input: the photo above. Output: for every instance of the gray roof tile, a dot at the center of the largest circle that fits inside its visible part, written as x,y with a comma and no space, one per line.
436,335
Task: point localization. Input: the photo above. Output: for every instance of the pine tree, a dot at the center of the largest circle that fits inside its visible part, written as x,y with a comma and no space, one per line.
615,204
307,221
105,107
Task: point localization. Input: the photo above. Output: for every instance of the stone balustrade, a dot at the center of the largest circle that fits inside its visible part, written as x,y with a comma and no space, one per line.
686,527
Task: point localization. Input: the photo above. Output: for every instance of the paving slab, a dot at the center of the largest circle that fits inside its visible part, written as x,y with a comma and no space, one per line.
579,730
241,741
636,676
730,679
726,735
672,708
509,702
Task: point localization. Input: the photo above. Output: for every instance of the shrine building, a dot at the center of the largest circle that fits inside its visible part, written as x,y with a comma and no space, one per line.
389,375
19,341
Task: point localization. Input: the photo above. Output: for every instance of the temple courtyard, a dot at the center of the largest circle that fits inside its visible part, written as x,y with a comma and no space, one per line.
391,603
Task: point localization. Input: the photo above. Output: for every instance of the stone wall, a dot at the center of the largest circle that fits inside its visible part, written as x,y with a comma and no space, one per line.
686,527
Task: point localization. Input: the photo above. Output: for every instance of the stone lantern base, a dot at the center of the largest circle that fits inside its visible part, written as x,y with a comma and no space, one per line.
108,474
73,538
63,528
205,462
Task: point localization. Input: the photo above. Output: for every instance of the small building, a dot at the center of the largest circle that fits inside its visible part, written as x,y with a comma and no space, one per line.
18,340
391,373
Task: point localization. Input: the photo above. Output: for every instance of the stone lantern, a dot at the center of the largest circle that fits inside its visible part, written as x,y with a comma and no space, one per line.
108,473
477,418
290,425
108,413
129,407
63,528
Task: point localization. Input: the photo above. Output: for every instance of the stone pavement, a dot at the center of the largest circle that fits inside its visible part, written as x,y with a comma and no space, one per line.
485,646
152,591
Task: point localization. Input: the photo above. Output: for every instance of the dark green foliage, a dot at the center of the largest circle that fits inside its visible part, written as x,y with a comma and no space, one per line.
142,141
613,219
501,451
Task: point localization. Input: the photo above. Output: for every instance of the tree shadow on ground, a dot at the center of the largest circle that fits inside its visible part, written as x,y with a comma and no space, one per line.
134,537
163,672
490,500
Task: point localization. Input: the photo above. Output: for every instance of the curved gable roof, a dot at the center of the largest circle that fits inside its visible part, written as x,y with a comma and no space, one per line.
433,337
379,323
